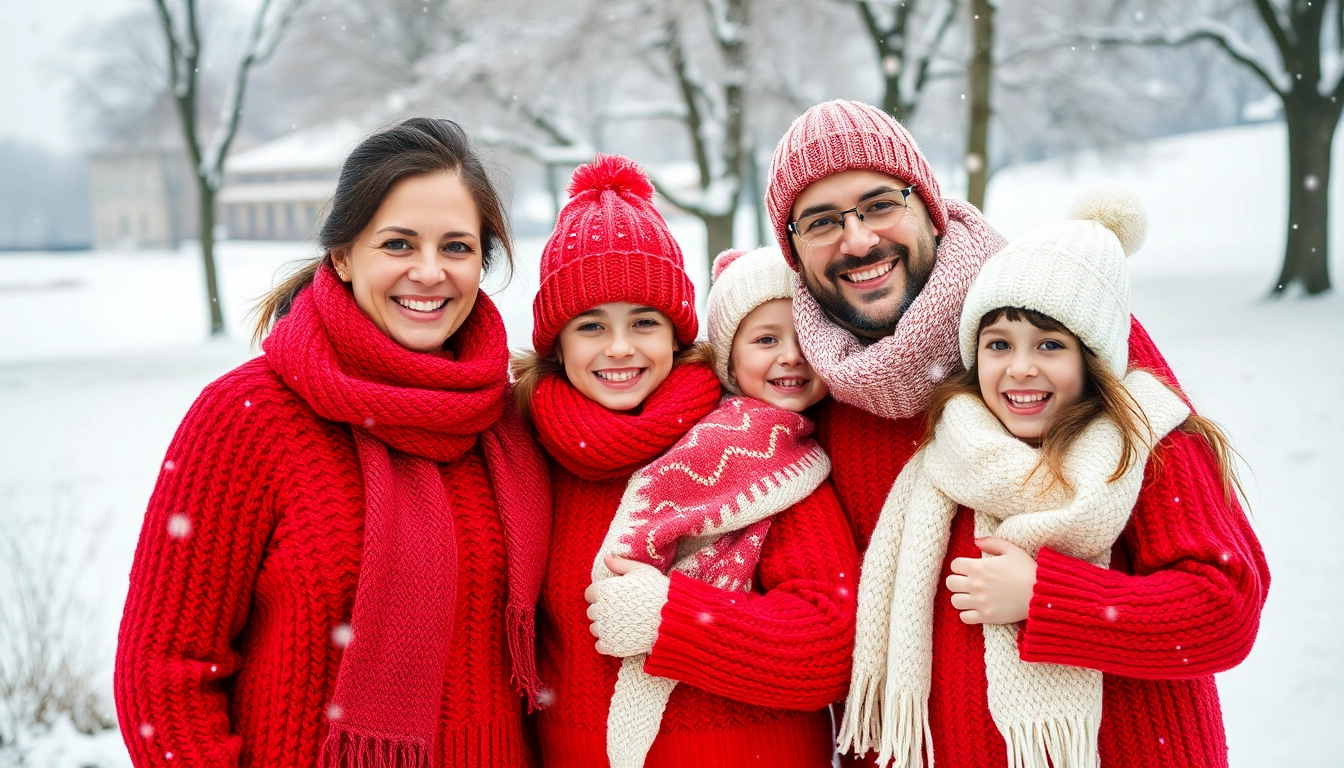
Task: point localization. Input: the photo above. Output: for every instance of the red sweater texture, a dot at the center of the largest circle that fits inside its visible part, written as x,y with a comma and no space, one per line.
245,577
757,670
1180,601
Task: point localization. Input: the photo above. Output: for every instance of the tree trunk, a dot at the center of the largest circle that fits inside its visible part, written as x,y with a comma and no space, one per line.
718,235
207,213
891,98
981,74
1311,121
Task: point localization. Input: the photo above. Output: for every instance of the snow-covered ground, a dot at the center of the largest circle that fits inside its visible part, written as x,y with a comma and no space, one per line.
101,354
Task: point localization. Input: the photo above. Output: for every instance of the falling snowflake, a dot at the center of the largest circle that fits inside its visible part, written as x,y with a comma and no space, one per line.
936,372
334,712
167,755
545,697
369,422
146,731
340,636
169,465
891,65
1225,557
179,526
974,163
247,403
705,617
583,444
1311,183
1111,613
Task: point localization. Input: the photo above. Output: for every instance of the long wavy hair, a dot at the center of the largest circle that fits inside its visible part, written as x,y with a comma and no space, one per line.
1104,396
416,147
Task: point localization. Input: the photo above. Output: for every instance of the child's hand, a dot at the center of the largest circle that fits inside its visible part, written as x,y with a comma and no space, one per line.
993,590
626,609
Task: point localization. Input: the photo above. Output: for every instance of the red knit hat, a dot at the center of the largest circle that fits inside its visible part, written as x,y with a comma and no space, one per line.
839,136
610,244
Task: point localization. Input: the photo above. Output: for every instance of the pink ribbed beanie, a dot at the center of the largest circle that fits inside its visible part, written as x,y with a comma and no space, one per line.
839,136
610,244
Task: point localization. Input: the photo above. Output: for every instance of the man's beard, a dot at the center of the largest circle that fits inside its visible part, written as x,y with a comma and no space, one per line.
851,316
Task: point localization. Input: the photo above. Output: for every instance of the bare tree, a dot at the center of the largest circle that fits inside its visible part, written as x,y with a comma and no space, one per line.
980,77
908,36
714,116
1308,77
181,29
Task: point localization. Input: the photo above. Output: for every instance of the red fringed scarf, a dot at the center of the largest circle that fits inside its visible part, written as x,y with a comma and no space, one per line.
596,444
409,411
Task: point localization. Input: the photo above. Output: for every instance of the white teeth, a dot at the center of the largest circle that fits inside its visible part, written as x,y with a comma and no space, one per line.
788,382
1027,399
870,274
616,376
422,306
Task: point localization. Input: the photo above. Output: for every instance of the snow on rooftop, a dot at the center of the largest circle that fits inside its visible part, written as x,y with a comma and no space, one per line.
321,147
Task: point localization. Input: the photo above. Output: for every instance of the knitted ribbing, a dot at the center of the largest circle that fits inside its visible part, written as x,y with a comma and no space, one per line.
893,376
1167,580
244,580
596,443
837,136
756,670
610,244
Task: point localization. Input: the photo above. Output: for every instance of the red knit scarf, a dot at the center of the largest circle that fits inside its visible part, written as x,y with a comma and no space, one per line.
409,411
596,443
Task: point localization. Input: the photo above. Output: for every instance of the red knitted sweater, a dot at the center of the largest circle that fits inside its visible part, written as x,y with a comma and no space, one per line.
1180,601
246,571
757,669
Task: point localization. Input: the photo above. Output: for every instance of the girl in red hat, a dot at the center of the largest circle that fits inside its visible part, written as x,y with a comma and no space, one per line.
341,558
733,657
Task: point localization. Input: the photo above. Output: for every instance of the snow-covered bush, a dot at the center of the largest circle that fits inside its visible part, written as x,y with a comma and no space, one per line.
49,651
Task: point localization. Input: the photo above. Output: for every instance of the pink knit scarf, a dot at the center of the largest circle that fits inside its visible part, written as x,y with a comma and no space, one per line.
892,377
408,412
703,508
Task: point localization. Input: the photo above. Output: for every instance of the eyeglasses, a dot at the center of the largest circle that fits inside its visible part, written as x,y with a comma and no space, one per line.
825,228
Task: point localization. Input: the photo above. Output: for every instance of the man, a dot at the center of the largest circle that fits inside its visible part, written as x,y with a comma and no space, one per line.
887,263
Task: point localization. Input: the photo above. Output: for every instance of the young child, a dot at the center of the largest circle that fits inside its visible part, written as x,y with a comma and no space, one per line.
1115,571
609,392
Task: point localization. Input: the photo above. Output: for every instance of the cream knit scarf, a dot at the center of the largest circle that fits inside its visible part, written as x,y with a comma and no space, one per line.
1049,714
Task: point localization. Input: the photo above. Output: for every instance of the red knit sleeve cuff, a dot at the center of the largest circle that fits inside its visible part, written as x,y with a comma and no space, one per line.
678,653
1065,611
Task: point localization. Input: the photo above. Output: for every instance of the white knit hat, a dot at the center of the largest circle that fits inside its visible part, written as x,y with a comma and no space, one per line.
1073,271
743,281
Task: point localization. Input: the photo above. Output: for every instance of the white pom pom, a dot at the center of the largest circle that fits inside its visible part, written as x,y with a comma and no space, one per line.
1117,208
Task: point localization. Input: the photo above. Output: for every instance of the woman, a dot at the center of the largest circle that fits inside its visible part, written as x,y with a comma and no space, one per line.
348,531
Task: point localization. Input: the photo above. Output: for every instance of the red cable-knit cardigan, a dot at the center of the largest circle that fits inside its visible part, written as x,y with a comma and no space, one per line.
246,571
757,670
1180,601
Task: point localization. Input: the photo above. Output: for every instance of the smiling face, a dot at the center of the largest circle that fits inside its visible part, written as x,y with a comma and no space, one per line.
767,362
415,269
868,278
617,354
1028,374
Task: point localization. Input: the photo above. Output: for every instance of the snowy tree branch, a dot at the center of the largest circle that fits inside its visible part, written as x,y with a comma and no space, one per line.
727,30
546,154
1280,26
1209,30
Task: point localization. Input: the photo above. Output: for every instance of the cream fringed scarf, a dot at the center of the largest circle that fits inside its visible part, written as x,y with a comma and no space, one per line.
1048,714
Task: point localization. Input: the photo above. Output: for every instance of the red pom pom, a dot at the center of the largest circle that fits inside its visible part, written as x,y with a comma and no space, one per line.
722,261
613,172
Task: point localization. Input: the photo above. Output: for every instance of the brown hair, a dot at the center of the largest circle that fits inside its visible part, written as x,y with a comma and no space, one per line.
1104,394
528,368
415,147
